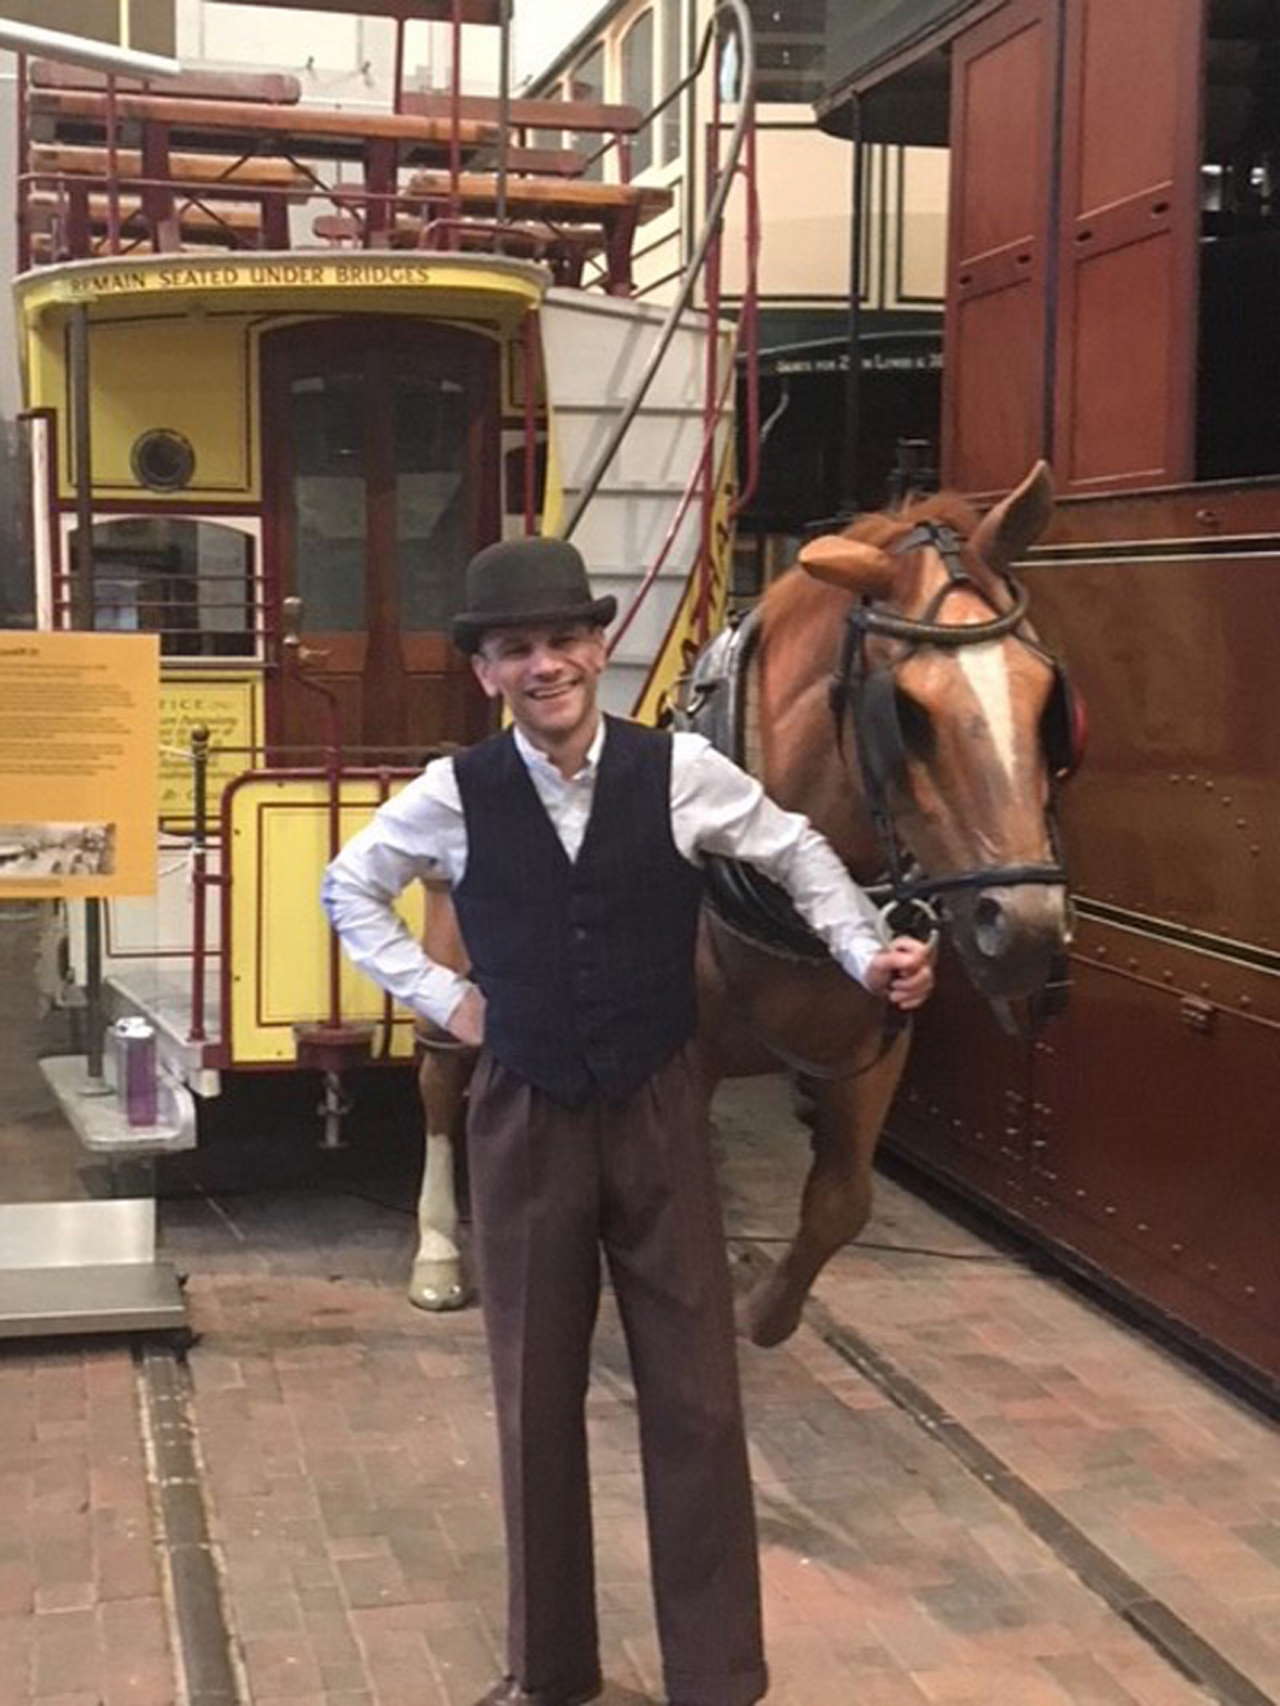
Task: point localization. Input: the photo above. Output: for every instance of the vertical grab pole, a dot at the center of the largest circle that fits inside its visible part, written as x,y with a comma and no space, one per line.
702,620
504,109
199,876
82,590
853,376
455,120
749,327
530,356
24,166
113,170
397,93
83,616
333,769
388,1004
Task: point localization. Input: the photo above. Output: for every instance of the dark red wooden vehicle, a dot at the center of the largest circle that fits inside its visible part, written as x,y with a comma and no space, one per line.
1113,304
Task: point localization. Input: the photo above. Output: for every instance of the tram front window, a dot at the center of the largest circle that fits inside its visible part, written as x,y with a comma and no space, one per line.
432,522
189,581
329,491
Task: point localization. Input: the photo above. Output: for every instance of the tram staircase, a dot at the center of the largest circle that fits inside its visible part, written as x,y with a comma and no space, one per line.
594,349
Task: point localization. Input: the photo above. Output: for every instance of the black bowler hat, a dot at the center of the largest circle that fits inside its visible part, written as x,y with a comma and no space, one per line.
527,581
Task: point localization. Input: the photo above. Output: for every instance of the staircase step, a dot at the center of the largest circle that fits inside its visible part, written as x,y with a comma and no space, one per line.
674,411
664,493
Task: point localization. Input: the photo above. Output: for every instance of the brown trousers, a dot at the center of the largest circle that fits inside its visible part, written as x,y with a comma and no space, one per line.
550,1187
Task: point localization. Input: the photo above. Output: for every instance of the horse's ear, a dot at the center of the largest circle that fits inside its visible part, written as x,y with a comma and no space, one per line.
1011,528
850,564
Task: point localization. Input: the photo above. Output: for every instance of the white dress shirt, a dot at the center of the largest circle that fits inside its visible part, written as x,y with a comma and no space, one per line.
715,808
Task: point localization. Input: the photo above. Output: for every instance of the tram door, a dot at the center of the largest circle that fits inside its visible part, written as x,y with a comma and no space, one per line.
380,480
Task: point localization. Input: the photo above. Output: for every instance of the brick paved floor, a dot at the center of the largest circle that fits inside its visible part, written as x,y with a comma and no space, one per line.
348,1443
81,1614
348,1455
1171,1477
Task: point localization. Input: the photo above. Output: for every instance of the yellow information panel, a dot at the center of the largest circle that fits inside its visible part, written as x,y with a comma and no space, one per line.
229,707
78,784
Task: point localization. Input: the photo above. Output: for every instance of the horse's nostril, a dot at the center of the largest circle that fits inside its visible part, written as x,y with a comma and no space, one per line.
990,927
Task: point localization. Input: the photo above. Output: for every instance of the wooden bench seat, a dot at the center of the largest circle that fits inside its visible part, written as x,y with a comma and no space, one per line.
617,208
381,142
254,170
535,114
225,220
544,198
277,87
533,162
307,127
42,247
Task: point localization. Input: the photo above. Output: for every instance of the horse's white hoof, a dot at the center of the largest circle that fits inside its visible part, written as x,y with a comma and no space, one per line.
438,1285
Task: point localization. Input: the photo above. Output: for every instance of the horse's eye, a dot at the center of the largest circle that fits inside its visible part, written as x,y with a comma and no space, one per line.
916,724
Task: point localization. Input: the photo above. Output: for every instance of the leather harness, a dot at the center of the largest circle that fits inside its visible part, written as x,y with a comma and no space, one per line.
748,903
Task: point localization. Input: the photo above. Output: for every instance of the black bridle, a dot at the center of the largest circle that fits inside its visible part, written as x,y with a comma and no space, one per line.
856,688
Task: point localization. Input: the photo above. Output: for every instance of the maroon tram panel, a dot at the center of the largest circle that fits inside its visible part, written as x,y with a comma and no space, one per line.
1139,1132
1127,266
1002,81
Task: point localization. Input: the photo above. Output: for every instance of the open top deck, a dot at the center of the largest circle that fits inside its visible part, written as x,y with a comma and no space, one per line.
223,161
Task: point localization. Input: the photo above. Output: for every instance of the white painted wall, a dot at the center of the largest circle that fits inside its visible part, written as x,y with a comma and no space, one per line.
341,60
543,28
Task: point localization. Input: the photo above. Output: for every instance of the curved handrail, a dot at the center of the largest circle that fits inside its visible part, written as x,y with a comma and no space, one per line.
742,20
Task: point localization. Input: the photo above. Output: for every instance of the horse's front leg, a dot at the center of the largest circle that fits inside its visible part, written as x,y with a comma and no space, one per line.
847,1116
438,1280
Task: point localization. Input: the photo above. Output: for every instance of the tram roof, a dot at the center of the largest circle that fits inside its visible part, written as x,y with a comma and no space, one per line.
866,42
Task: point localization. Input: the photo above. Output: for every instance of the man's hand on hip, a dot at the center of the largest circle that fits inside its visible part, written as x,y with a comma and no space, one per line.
903,972
466,1022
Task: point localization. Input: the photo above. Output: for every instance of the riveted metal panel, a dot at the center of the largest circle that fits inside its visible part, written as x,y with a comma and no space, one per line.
976,1122
1154,1130
1176,814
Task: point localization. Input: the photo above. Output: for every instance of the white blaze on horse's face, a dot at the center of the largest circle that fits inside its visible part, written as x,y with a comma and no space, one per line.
987,671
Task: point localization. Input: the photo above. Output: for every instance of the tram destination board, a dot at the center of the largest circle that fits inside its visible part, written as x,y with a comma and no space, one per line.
194,274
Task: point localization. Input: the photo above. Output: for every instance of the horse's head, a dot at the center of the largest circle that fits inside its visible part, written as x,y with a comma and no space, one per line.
961,720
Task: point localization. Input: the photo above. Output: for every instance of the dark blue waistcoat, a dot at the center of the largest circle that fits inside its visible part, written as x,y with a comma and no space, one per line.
587,965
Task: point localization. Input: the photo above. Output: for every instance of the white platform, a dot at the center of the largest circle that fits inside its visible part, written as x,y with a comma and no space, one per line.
97,1117
84,1267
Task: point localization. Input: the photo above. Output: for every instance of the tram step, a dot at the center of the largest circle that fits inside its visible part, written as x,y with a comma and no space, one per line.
667,411
626,489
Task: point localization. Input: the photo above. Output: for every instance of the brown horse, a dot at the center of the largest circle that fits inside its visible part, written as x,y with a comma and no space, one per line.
939,665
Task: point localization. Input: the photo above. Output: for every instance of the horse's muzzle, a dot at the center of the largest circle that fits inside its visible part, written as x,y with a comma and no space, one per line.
1009,938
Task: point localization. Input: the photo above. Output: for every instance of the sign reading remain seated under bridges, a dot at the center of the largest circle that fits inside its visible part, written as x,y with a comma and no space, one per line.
194,274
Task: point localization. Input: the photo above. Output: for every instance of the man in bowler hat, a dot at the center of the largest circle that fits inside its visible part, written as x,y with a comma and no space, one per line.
572,844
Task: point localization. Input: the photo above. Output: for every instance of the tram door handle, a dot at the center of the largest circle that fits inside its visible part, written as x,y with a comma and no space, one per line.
291,621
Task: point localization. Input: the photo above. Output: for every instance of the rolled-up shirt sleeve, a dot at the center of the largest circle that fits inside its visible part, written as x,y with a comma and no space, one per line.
419,834
718,808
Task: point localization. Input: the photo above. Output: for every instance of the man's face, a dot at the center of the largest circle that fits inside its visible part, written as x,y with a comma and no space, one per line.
546,675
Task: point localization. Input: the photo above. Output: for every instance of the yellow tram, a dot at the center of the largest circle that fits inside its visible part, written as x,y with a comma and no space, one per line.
286,367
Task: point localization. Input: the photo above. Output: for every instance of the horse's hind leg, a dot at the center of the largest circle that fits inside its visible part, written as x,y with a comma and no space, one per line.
847,1116
438,1280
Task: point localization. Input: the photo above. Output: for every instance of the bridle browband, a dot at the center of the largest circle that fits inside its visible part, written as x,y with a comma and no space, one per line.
910,895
